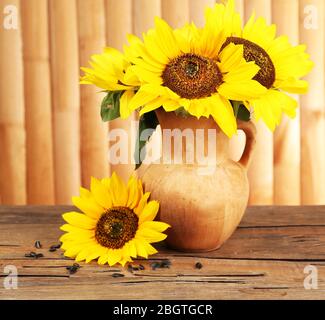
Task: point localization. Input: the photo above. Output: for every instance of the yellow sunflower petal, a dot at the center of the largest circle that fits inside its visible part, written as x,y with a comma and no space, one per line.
166,39
89,206
114,256
238,84
68,227
141,98
242,91
151,235
80,235
118,191
150,42
132,249
101,193
73,251
124,104
270,107
76,245
142,203
138,49
259,32
149,248
94,253
292,85
108,71
153,105
149,212
131,78
140,188
133,193
155,225
141,250
289,61
125,255
83,254
103,257
148,76
106,182
196,107
232,56
79,220
222,112
285,102
171,105
185,36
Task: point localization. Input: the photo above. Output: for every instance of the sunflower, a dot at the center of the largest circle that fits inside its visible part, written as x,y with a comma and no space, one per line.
183,68
110,72
281,67
116,224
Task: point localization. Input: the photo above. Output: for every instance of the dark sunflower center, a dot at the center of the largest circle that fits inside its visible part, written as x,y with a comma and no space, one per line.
192,76
116,227
253,52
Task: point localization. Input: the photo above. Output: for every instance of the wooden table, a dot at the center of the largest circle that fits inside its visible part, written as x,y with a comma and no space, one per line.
264,259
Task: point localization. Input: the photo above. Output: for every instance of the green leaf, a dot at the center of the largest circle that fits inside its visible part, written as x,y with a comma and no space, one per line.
181,112
110,107
240,111
147,121
235,106
243,113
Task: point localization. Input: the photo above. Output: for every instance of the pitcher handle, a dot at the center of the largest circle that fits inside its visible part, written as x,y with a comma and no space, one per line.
250,131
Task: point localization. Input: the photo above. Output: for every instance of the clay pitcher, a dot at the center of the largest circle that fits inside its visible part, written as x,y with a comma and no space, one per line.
203,204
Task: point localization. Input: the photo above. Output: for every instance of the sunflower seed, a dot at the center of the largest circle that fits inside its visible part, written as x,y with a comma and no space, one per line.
30,255
74,268
38,244
165,264
33,254
132,268
198,265
118,275
54,247
161,264
155,265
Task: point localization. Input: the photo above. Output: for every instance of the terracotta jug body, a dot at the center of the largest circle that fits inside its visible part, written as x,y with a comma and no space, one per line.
204,204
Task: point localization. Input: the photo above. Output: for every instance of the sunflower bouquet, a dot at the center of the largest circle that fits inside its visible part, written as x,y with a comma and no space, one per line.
221,71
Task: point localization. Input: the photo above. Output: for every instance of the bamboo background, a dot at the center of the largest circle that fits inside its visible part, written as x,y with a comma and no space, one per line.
51,135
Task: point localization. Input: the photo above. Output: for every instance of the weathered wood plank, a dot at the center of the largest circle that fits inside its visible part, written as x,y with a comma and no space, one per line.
218,279
258,216
286,243
264,259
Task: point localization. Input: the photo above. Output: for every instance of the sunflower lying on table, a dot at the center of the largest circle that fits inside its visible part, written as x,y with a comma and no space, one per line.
116,224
